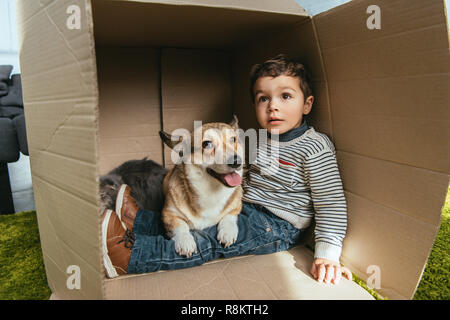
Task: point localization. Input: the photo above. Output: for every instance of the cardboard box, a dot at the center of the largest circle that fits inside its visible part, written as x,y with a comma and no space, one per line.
97,94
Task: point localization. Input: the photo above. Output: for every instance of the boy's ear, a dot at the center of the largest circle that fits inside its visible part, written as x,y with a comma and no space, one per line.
308,105
169,140
234,123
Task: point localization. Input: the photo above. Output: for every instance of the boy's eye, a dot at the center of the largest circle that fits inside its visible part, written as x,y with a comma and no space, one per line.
207,145
263,99
286,96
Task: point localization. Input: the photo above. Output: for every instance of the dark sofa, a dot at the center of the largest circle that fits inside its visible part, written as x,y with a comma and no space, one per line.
13,138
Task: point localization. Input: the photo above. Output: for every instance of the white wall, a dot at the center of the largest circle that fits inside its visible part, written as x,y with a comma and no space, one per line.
317,6
8,35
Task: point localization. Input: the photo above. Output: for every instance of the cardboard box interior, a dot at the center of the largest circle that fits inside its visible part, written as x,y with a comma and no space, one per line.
164,65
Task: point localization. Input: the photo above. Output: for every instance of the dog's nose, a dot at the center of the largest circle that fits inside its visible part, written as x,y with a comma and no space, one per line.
234,161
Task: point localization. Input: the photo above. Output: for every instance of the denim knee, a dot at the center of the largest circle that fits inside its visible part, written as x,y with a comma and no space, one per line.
283,234
149,223
260,232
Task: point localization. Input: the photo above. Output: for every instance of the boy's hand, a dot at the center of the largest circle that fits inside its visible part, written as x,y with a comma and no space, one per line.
327,271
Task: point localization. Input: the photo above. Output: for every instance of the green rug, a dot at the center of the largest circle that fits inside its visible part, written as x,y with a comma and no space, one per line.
22,268
23,274
435,282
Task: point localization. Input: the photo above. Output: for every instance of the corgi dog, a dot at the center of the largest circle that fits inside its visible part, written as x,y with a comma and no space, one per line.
204,187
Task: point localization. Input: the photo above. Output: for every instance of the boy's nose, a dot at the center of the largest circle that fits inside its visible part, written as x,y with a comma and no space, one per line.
273,106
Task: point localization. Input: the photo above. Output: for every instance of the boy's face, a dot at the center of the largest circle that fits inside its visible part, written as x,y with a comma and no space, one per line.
279,103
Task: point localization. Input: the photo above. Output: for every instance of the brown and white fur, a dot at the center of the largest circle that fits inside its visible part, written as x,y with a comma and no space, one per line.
198,195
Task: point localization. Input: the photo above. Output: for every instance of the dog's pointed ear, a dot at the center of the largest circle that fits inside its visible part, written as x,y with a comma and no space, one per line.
169,140
235,122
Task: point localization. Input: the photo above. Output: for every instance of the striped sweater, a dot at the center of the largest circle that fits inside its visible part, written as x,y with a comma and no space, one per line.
298,180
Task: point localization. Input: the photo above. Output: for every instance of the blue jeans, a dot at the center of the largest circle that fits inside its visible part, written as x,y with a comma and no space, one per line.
260,232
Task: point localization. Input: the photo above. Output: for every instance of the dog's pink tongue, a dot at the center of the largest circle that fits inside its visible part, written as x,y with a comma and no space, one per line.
232,179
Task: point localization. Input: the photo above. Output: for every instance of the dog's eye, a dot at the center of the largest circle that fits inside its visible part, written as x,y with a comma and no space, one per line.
207,145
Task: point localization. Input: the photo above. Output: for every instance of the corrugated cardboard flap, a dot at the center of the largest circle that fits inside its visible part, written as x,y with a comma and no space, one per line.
189,24
279,276
388,91
60,102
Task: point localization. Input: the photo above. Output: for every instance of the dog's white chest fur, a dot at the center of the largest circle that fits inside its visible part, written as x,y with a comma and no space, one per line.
213,197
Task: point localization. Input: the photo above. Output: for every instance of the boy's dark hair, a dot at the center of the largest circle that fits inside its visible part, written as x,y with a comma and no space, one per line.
281,65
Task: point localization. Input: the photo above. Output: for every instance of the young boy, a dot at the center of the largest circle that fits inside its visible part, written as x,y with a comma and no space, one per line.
277,208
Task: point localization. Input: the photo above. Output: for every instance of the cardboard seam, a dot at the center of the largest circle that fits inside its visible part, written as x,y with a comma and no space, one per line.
124,277
53,134
65,191
158,280
95,89
394,35
229,284
23,22
71,51
325,78
264,280
105,137
205,284
188,107
301,22
393,209
83,162
395,162
148,154
302,11
421,75
80,100
246,261
81,128
219,260
161,109
38,75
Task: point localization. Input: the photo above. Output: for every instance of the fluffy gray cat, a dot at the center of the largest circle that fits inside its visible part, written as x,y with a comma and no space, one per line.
145,179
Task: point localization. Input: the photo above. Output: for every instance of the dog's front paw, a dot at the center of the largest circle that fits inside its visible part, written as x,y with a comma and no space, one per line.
228,232
185,244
